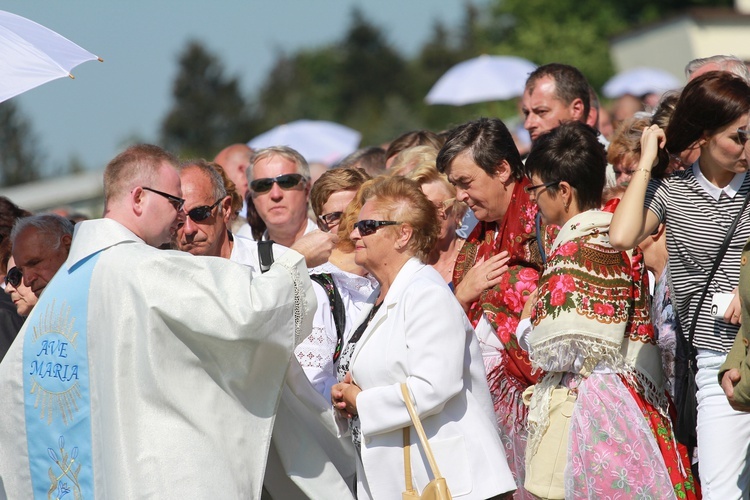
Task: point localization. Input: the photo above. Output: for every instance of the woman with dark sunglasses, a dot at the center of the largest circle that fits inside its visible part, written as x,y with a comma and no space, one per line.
21,295
415,333
698,206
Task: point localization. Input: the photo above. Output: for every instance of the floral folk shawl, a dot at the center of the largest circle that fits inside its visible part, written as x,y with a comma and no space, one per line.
593,307
502,304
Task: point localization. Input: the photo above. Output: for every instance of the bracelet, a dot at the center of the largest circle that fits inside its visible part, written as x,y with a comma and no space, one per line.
644,169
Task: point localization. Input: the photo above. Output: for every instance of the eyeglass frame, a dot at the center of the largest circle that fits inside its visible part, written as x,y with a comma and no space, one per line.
336,219
18,276
743,135
363,230
444,206
276,180
532,189
172,198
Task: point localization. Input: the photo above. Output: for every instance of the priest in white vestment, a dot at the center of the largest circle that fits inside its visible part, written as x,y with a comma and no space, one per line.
147,373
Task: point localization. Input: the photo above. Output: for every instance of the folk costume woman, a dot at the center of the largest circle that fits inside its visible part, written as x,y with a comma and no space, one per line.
591,333
498,266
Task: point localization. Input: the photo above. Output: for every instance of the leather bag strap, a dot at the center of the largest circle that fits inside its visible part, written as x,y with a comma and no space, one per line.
420,431
407,461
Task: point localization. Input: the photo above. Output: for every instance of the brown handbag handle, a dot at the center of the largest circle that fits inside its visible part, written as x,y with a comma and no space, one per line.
420,432
407,461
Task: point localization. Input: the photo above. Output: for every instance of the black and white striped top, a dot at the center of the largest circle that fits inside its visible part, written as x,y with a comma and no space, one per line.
696,226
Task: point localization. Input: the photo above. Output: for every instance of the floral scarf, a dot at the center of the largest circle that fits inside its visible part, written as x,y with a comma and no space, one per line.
593,311
502,304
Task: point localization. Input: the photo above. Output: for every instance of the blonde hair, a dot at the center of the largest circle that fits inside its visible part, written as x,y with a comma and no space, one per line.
402,200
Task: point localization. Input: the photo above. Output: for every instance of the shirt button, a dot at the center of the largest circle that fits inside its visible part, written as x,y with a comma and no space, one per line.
746,342
743,260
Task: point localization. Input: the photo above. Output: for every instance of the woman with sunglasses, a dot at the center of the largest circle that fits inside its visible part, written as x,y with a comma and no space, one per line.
698,206
591,334
416,333
21,295
341,286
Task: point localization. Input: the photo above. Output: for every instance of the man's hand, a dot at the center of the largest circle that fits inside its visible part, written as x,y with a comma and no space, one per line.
315,247
730,379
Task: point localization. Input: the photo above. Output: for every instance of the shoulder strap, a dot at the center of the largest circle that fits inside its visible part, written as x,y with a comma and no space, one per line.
717,262
420,431
265,254
337,308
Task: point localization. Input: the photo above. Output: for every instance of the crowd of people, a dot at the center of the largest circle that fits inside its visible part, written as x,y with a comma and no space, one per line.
248,328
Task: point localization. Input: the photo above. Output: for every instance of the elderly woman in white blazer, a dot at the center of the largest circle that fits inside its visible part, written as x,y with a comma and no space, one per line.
418,335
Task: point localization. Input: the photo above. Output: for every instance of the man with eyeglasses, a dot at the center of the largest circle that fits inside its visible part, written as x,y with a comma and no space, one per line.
143,372
279,180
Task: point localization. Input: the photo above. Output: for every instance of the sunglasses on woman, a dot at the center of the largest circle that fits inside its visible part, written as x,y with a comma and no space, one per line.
369,226
199,214
285,181
13,277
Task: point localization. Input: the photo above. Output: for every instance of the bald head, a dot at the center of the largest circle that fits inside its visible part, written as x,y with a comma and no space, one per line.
234,160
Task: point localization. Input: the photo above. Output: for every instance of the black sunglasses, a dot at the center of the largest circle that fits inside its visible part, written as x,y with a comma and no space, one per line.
199,214
13,277
176,201
531,189
285,181
369,226
331,218
742,134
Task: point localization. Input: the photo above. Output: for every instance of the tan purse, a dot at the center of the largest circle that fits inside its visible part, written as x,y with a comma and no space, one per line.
545,470
437,489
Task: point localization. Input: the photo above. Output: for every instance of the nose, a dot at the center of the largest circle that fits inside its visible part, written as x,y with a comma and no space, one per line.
276,193
530,122
354,235
189,226
461,194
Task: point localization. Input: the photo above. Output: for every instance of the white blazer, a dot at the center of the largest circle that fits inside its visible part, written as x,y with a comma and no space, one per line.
421,335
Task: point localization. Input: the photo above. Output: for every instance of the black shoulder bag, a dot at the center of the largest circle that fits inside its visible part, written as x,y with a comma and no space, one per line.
685,363
337,308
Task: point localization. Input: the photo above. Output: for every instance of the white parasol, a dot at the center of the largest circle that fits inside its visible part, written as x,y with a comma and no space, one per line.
31,55
484,78
317,141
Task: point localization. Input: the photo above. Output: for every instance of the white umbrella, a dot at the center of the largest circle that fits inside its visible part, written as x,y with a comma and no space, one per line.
484,78
31,55
639,82
317,141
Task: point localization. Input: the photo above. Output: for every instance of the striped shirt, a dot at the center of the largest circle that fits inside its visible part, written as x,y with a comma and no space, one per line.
697,223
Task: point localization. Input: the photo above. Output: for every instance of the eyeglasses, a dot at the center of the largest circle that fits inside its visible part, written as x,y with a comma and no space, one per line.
285,181
13,277
176,202
199,214
331,219
742,134
531,189
444,206
368,226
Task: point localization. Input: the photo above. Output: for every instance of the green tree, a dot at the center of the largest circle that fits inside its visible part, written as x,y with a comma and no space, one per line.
20,156
209,111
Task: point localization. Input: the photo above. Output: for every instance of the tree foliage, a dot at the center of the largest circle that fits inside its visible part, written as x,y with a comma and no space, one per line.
209,110
20,156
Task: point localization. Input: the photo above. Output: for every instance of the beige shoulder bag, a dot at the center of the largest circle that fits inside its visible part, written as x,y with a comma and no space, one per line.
437,489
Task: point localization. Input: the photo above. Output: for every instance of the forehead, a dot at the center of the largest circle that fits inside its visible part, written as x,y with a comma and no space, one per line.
339,200
272,166
196,186
463,167
31,244
436,191
370,210
169,179
542,93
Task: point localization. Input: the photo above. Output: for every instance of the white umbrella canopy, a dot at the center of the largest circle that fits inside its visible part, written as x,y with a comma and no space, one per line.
639,82
316,140
484,78
31,55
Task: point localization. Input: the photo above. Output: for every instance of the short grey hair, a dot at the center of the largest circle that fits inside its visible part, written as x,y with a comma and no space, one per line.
218,188
285,152
51,225
731,64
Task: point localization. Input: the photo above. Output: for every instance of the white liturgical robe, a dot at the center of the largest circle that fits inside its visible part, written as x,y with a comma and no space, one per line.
148,374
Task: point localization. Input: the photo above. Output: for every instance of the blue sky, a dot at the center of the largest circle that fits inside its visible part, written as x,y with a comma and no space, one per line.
126,96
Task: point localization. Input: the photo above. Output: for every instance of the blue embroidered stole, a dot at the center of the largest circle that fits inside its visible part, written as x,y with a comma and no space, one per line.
56,387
